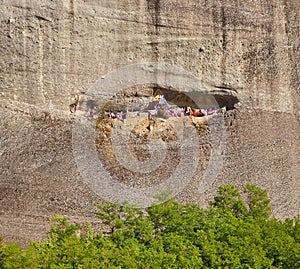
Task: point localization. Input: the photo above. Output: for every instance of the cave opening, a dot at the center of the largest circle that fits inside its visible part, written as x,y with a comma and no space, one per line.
160,101
148,97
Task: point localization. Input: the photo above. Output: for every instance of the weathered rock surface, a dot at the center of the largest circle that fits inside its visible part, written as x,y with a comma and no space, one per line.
53,50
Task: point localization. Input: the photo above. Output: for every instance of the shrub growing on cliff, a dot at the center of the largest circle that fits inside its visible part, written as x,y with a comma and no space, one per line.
232,233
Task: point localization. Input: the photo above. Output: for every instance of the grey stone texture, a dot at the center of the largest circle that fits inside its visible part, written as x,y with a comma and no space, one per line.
54,50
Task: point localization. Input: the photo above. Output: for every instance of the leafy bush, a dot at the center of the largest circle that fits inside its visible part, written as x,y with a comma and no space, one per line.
231,233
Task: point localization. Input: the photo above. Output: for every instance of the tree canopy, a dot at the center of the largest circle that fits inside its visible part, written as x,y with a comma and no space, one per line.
236,231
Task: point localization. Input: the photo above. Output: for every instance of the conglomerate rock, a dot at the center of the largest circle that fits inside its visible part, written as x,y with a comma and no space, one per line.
54,50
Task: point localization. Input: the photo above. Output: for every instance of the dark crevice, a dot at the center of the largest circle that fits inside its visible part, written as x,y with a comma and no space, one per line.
203,100
227,101
153,7
224,31
222,87
224,42
71,9
41,18
71,31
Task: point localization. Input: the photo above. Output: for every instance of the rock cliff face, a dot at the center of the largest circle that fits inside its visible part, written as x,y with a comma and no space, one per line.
53,50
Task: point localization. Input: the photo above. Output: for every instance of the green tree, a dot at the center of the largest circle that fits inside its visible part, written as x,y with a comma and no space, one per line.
229,201
232,233
258,201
